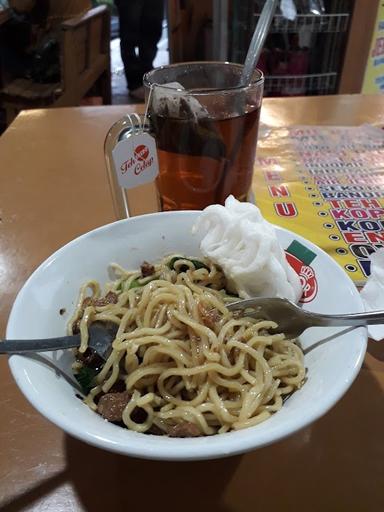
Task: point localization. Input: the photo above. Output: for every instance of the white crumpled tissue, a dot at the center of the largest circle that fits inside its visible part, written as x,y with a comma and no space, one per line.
238,239
373,292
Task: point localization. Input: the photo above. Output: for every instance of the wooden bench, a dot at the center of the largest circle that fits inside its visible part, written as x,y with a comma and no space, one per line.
85,64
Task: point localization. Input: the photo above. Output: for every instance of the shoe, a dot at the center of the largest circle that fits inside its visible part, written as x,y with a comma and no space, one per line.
137,94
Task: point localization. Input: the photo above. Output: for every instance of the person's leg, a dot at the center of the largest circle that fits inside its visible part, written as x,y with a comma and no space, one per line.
15,38
151,28
129,21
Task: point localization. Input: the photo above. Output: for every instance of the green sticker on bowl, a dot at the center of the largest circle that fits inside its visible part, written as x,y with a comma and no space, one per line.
301,252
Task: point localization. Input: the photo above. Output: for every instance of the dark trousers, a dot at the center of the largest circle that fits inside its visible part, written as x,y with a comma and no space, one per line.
140,27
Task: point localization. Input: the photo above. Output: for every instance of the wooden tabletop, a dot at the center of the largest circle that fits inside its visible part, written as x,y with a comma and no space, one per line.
53,187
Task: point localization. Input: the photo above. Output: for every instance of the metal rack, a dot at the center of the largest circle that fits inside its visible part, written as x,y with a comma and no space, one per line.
312,44
292,85
320,23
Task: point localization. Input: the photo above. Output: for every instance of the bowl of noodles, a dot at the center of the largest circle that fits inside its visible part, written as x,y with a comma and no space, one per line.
184,378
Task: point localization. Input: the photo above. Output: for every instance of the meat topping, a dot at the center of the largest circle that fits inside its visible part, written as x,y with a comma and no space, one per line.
147,269
87,302
155,430
112,405
184,429
209,317
90,359
110,298
118,387
138,415
76,326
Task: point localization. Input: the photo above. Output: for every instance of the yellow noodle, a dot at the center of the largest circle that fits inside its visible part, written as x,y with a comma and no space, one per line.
182,354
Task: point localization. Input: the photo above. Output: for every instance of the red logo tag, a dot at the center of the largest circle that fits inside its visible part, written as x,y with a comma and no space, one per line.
307,277
135,160
141,152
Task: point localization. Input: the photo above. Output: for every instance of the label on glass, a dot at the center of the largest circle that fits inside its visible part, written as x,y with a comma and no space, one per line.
135,160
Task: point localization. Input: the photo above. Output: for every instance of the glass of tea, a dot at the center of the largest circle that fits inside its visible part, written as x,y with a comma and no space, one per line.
205,126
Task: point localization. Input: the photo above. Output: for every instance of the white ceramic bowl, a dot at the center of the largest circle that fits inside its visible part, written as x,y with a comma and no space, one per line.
332,366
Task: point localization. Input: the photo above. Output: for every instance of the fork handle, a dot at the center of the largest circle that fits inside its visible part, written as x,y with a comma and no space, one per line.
354,319
22,346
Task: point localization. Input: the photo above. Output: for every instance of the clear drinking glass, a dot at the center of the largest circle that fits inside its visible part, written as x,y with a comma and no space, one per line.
205,127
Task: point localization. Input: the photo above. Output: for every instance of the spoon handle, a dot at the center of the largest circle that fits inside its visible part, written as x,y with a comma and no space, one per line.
370,318
21,346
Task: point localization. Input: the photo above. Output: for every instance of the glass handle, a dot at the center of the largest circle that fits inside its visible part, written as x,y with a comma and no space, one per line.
119,195
130,124
128,202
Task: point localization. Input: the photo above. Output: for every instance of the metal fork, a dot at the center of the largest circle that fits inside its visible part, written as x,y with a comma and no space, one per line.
101,337
293,321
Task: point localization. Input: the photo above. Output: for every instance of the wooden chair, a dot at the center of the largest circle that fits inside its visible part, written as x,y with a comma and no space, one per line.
85,64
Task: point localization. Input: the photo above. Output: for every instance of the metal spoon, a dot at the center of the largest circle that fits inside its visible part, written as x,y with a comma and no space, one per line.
293,321
101,337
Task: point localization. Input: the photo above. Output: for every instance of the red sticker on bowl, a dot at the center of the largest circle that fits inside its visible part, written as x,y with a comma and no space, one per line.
300,257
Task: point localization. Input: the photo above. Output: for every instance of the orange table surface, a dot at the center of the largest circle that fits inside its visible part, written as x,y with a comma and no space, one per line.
53,187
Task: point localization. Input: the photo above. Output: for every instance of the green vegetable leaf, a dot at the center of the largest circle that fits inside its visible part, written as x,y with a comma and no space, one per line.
134,284
197,263
172,261
86,378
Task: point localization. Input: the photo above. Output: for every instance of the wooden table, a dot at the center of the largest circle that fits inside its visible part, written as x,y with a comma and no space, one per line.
53,187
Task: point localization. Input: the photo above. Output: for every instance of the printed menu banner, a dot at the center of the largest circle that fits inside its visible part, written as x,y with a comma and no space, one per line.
374,72
326,183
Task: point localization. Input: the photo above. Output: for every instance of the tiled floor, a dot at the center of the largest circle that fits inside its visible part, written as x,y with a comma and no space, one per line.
119,84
